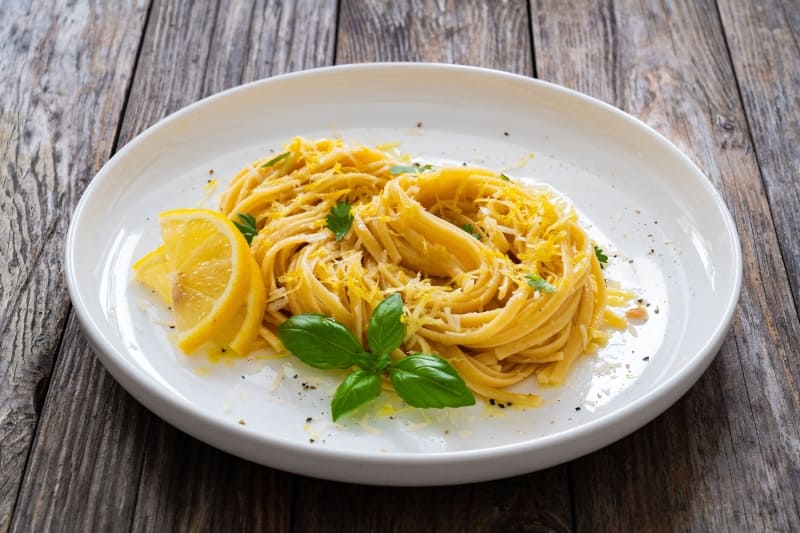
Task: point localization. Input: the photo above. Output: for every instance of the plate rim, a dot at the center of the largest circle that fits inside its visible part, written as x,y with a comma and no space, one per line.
603,430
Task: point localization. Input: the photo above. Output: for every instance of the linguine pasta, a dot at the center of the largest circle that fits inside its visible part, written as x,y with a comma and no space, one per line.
496,276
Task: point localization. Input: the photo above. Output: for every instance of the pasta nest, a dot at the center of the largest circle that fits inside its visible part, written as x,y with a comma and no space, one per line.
496,275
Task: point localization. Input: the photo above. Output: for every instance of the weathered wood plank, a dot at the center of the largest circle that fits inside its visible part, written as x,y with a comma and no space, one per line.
523,503
764,43
476,33
64,71
101,461
484,34
87,451
231,43
538,502
728,451
725,457
186,485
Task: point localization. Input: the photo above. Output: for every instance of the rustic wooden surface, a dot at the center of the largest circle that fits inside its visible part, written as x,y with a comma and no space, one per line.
81,79
727,462
64,75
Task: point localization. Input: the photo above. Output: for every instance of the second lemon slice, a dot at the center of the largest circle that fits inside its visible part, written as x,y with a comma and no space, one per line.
152,270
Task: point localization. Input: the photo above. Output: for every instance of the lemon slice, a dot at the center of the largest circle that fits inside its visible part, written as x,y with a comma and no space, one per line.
209,265
241,334
152,271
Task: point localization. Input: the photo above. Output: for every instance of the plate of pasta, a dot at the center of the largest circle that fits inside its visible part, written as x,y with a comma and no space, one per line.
403,274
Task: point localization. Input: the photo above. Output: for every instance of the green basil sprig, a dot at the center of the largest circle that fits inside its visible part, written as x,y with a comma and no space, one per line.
422,380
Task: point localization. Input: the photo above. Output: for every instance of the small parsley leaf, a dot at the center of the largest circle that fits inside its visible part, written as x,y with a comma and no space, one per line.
603,258
506,178
539,283
275,159
247,225
339,219
408,169
469,229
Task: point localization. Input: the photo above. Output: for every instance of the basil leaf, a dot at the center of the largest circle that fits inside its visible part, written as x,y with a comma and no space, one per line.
366,360
386,331
319,341
373,363
426,380
383,361
357,389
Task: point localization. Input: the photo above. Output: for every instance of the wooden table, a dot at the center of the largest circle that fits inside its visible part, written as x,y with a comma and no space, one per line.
80,79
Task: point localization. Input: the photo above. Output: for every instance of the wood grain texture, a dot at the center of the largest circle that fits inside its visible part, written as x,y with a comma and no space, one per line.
764,41
725,457
64,71
484,34
538,502
100,459
477,33
194,49
88,452
186,485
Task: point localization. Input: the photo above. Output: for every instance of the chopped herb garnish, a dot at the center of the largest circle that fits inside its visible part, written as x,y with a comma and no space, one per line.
408,169
247,225
505,177
539,283
339,219
275,159
603,258
421,380
468,228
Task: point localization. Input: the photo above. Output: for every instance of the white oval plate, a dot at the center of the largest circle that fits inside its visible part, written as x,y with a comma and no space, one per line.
671,237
